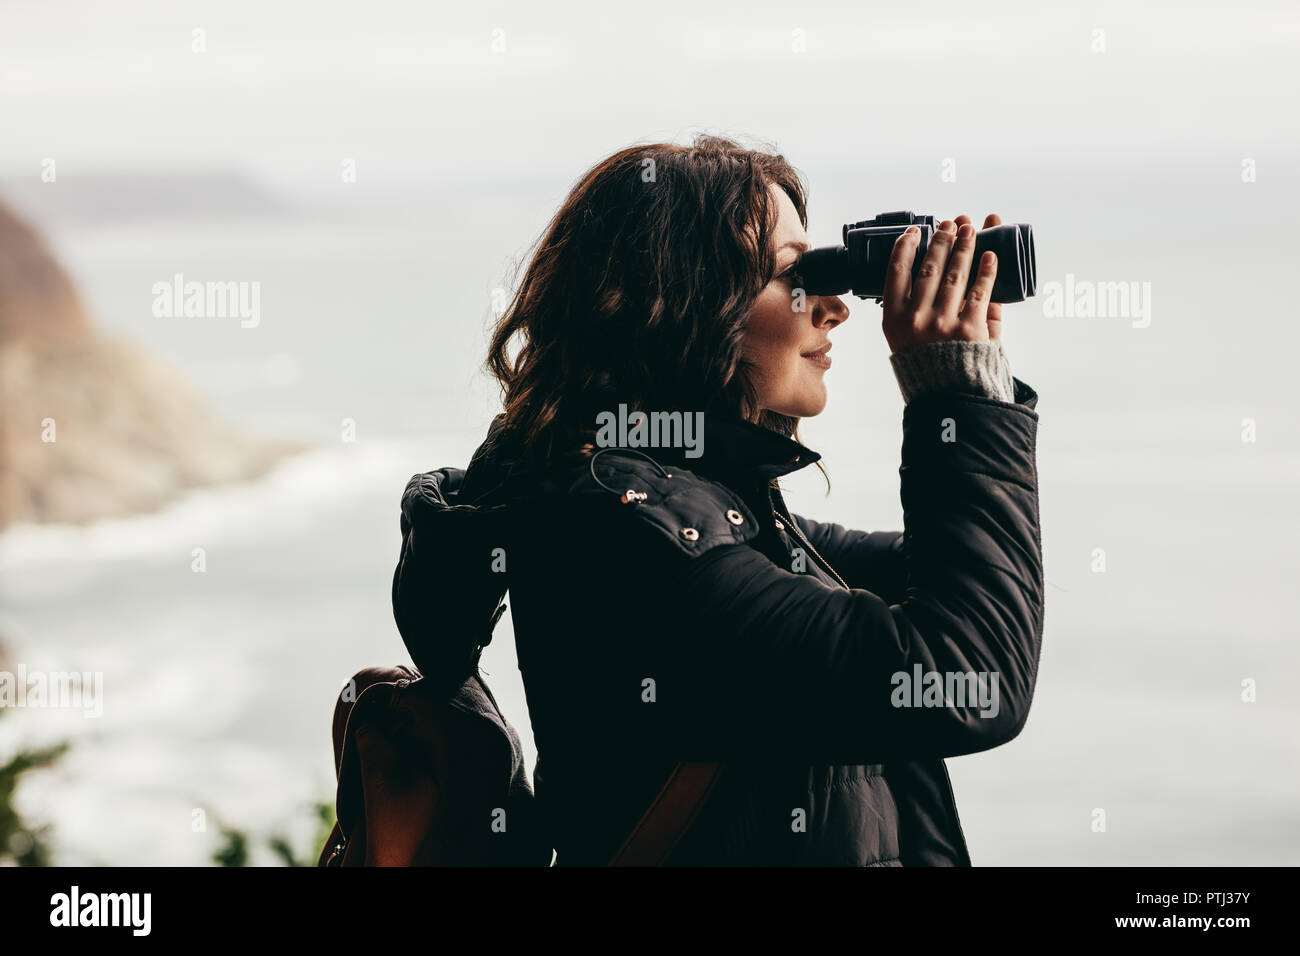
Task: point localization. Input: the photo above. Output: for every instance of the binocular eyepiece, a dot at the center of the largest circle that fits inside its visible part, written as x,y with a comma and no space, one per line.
858,266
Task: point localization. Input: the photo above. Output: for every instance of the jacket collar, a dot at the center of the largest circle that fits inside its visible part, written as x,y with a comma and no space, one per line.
733,451
737,449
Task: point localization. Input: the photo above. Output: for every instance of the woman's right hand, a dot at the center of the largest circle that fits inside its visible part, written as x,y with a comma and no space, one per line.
936,308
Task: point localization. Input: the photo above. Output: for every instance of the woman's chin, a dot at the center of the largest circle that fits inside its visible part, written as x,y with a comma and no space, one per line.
807,404
814,399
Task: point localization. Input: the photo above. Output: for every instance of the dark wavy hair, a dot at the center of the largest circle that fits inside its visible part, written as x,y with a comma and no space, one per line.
639,291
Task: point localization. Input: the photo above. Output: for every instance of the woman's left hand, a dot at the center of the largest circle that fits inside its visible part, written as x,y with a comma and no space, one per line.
995,308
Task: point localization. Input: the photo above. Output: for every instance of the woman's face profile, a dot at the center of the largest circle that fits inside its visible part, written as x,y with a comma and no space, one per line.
787,336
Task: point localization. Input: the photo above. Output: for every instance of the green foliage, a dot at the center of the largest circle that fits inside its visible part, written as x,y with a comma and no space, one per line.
21,842
234,848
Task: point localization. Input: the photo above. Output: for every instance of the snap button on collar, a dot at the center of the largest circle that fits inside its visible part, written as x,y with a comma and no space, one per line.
735,517
690,534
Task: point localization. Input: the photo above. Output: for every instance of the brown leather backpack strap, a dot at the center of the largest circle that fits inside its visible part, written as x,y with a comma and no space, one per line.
671,814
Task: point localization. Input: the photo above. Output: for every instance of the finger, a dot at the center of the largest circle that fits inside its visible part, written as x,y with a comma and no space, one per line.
930,274
974,314
898,275
995,308
993,322
952,290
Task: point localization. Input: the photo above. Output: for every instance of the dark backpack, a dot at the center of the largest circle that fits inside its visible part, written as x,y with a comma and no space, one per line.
427,779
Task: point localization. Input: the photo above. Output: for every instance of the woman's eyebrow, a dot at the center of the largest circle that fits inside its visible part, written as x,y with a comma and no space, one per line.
801,246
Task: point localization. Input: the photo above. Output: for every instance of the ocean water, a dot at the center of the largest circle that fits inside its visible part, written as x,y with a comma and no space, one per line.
219,686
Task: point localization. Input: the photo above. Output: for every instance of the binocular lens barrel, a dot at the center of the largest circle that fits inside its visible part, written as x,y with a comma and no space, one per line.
859,265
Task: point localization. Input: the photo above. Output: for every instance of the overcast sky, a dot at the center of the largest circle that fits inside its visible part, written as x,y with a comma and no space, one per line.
415,88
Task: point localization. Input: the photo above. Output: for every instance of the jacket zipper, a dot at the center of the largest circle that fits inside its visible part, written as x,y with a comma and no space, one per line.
799,536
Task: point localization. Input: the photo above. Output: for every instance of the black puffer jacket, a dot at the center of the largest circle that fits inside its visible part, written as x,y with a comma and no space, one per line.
704,622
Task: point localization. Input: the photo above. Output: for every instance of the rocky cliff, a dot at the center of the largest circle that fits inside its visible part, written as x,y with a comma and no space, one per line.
91,427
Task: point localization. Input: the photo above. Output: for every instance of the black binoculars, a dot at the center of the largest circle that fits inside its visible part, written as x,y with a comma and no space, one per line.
858,266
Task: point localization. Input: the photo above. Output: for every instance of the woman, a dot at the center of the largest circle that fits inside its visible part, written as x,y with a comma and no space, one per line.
667,606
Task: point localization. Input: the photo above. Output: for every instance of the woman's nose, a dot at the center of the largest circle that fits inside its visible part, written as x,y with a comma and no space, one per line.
829,311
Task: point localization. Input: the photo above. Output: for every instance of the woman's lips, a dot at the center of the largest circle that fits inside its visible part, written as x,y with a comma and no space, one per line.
821,358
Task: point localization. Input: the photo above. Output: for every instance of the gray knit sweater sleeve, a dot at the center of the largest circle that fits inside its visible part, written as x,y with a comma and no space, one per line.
978,367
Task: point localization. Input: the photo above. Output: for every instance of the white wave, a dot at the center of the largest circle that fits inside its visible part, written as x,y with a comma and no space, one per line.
296,492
